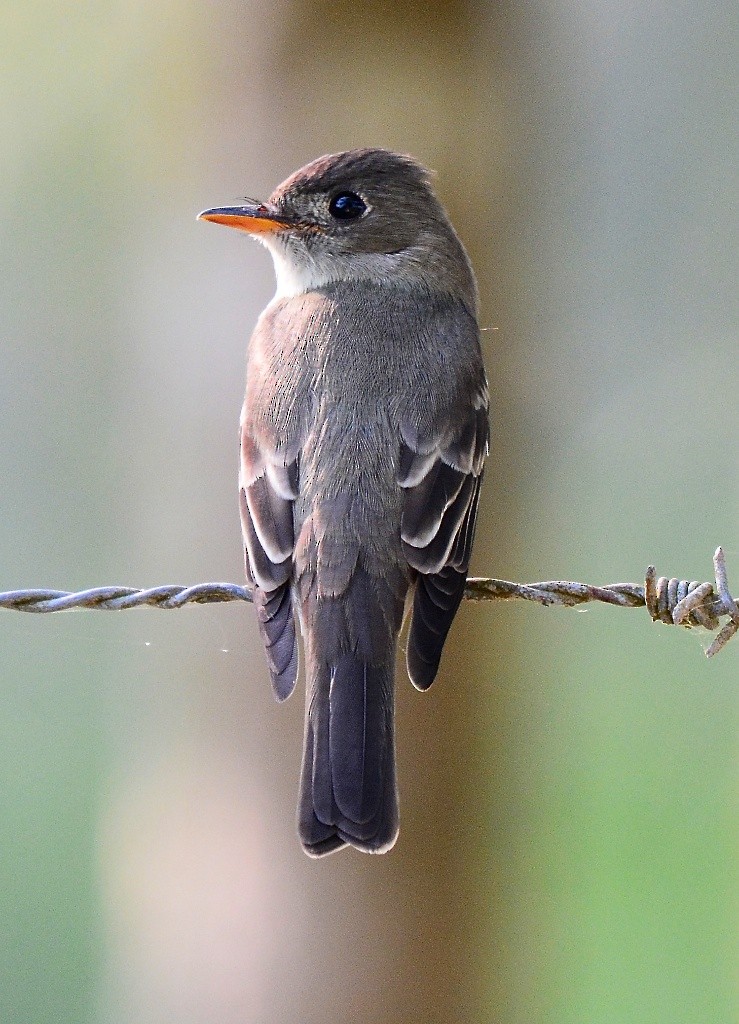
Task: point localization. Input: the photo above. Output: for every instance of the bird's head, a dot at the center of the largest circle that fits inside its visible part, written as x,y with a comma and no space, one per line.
366,214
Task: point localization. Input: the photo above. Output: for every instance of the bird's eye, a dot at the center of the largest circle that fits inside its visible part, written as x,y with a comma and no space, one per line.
347,206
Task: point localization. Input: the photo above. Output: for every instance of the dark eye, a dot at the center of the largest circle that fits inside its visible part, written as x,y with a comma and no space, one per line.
347,206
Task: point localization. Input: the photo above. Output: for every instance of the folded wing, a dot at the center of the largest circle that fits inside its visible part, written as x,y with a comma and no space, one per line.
441,474
268,488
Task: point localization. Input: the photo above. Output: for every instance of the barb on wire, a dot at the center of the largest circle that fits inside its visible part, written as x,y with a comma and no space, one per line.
673,601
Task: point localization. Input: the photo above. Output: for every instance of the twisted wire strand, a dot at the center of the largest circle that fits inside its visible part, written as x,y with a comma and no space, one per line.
115,598
672,601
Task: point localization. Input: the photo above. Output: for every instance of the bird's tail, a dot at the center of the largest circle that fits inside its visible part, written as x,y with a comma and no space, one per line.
348,790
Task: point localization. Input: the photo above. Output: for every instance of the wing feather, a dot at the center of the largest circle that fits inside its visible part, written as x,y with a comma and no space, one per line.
441,475
427,503
268,489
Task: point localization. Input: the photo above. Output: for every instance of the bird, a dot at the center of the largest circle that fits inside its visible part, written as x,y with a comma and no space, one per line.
364,433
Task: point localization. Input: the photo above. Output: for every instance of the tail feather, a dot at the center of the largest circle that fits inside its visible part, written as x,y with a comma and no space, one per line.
357,738
348,789
318,838
348,785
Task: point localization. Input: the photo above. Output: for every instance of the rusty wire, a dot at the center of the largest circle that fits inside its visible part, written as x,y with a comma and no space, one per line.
672,601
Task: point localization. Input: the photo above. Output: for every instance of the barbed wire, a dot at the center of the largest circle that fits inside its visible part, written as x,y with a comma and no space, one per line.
672,601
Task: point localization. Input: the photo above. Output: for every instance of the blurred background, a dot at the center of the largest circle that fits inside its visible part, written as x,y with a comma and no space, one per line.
568,850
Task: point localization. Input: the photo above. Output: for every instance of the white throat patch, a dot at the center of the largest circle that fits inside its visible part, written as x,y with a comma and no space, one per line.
294,277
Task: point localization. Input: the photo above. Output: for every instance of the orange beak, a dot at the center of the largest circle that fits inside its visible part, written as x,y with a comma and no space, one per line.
257,219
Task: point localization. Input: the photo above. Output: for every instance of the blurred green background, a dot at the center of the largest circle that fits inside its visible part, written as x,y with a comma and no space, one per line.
568,850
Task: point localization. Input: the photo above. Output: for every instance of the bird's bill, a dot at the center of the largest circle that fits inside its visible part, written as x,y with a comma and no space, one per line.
256,219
